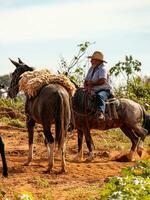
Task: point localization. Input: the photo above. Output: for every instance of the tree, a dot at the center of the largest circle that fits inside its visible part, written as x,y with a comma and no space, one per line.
75,69
127,68
135,87
5,80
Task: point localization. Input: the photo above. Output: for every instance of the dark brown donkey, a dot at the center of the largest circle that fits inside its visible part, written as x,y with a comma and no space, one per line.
51,105
2,152
127,115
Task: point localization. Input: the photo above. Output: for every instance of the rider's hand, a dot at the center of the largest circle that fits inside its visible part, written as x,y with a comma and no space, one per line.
90,83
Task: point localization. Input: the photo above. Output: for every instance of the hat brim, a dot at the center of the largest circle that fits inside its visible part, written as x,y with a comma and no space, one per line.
96,58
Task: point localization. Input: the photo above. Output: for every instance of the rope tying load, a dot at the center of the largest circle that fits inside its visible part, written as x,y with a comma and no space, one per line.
32,81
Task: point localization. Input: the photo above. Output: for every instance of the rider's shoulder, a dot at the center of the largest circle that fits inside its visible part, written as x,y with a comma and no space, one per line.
102,67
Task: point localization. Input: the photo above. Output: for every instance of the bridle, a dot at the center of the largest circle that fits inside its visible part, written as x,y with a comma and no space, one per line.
14,87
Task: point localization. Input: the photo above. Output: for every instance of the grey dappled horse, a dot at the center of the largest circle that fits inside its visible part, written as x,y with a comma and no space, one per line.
51,105
4,164
129,119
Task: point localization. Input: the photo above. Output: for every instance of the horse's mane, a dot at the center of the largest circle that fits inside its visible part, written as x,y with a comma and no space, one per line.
23,69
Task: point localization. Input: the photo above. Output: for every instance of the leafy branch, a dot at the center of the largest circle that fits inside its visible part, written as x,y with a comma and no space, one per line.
127,68
75,69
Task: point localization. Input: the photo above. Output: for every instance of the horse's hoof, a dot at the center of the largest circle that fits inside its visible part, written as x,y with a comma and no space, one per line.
48,171
26,163
5,174
89,159
130,160
140,151
62,171
77,159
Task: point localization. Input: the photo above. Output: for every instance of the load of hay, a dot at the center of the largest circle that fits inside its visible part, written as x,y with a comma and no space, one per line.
32,81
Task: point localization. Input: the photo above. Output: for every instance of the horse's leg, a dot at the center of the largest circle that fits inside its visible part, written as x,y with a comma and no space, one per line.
30,126
2,151
90,144
142,133
80,144
134,139
50,146
79,156
63,146
140,145
63,154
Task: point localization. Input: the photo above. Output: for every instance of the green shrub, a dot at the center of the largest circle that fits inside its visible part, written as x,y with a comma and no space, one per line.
40,182
17,123
15,104
5,120
134,185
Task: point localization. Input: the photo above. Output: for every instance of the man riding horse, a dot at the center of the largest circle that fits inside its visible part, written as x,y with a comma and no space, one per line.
97,81
89,111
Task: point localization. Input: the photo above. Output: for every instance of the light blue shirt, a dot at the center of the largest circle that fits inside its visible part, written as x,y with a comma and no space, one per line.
97,73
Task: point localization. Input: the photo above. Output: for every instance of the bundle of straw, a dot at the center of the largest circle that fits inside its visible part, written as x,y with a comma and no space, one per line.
31,82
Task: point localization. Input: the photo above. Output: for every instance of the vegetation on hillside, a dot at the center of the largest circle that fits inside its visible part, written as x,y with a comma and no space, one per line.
12,112
135,87
5,80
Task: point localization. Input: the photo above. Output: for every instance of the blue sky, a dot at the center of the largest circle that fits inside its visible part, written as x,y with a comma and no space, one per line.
41,31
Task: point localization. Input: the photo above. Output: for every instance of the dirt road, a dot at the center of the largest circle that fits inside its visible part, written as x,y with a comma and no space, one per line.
79,180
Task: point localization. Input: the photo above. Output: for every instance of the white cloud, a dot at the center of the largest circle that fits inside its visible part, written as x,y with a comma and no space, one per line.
70,20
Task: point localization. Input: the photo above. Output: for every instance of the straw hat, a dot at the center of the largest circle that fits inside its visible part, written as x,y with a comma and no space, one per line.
97,55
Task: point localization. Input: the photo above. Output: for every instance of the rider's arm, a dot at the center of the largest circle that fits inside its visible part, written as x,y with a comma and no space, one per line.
97,82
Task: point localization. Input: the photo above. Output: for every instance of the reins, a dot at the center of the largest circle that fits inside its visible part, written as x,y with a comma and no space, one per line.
84,108
84,113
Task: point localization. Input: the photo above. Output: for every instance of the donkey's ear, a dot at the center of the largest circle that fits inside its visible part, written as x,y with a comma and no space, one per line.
20,61
15,63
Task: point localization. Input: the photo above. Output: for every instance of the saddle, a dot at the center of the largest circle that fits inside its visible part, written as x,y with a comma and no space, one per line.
112,107
86,103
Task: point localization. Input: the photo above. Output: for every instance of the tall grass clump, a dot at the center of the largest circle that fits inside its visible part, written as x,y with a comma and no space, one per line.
15,104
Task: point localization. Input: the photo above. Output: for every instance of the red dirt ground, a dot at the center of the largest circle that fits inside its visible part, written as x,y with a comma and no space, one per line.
31,178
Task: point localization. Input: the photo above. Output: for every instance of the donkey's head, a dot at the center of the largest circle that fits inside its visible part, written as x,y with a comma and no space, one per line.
15,77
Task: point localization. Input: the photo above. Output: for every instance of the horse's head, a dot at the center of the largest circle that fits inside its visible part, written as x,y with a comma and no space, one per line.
15,77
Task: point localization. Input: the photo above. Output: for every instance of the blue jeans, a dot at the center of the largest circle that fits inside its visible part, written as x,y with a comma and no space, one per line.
102,97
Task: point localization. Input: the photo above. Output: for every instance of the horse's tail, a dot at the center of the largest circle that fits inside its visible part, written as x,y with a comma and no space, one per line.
146,120
62,117
60,132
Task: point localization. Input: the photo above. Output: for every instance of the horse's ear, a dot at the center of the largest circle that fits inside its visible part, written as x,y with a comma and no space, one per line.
14,63
20,61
